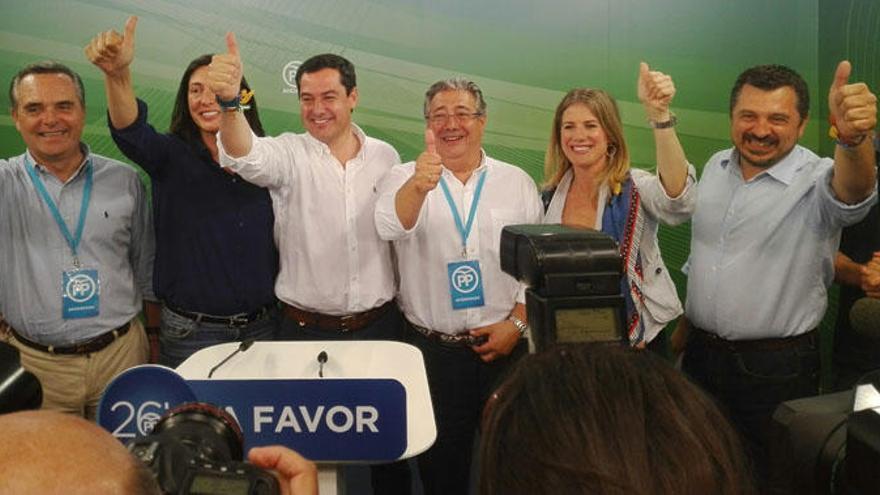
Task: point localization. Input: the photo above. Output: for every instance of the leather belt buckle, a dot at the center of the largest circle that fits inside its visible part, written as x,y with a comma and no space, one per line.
347,323
239,321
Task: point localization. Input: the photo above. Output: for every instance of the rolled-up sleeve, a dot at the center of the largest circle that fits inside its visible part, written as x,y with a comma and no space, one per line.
268,164
662,207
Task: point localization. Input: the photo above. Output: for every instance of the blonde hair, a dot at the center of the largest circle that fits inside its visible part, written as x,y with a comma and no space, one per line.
603,106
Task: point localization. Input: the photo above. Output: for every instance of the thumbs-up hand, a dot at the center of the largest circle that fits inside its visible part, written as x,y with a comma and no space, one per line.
428,166
853,107
655,90
224,71
112,52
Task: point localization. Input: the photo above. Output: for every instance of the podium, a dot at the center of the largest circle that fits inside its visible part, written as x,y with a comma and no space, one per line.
368,402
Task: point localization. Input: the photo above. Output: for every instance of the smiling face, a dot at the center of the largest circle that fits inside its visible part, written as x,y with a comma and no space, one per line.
203,106
584,141
765,125
452,115
50,118
325,108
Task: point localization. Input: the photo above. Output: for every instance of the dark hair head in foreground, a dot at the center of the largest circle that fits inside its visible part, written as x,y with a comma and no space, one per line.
610,420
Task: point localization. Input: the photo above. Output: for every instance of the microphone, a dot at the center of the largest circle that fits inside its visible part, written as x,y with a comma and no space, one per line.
322,358
245,345
864,317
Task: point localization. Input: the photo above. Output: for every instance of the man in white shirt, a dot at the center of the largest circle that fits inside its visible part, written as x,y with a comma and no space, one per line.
464,314
336,279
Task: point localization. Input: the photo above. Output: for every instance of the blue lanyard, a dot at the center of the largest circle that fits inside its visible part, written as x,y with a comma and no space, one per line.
73,242
464,230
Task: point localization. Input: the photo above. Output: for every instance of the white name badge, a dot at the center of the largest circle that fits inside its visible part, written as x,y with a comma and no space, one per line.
80,291
465,284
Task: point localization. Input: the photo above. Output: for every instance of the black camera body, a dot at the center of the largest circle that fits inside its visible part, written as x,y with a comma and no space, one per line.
573,274
196,448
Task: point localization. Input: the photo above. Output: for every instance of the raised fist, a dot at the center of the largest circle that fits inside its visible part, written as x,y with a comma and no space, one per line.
656,90
224,71
853,107
113,52
428,166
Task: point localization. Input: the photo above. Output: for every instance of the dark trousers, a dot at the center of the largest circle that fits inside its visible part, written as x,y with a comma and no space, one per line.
392,478
750,381
460,383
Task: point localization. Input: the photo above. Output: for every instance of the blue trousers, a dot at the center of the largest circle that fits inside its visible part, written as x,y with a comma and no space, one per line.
180,337
393,478
750,382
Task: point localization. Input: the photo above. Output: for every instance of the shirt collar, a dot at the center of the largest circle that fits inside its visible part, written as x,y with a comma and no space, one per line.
84,148
784,171
317,144
484,165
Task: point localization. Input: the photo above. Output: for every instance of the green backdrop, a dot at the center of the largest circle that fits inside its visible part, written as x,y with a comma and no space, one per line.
524,54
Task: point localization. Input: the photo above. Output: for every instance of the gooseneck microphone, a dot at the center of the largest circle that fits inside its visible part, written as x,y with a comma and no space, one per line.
322,358
245,345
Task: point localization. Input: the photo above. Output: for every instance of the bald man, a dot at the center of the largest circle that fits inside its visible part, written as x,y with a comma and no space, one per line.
49,452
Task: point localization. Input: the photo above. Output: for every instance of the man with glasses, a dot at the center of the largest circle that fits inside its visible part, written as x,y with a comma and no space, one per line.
464,314
336,279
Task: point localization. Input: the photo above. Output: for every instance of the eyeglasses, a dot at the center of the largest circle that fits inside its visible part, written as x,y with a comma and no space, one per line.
460,117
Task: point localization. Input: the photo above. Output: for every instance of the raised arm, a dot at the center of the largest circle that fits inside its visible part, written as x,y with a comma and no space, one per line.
854,113
224,79
113,53
411,196
656,90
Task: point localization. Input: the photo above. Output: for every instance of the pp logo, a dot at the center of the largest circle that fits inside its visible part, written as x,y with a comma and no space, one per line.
288,75
80,288
465,279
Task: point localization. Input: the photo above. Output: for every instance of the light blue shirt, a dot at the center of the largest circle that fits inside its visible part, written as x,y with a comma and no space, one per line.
117,241
762,251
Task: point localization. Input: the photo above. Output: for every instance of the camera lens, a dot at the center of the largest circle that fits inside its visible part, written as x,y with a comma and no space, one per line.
209,431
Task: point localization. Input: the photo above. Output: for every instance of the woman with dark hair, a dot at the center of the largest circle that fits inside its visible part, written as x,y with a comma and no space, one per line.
599,418
216,258
590,184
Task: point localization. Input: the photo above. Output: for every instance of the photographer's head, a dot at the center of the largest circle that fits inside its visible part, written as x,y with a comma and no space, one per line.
49,452
606,419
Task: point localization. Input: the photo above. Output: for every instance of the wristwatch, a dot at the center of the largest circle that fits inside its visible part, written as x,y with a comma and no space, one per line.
520,325
665,125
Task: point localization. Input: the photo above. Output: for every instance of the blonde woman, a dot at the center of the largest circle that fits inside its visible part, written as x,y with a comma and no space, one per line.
590,184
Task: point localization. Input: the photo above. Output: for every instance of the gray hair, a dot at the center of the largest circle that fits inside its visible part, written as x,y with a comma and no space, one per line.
455,84
46,67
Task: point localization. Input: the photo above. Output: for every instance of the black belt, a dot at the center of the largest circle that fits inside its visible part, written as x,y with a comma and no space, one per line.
757,344
463,339
239,320
89,346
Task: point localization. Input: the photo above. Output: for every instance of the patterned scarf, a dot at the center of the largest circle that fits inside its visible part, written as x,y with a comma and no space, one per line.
621,220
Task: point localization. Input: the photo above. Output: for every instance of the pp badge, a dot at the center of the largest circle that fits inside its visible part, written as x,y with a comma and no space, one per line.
79,294
465,284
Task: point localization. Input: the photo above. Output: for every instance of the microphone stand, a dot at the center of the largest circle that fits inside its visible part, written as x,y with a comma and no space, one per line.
245,345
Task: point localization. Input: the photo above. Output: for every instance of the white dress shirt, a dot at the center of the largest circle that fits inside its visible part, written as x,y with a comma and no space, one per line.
509,196
332,260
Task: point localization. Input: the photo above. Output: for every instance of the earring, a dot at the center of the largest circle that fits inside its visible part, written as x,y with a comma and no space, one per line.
611,150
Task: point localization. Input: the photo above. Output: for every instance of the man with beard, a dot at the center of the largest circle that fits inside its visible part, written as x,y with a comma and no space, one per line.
767,225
